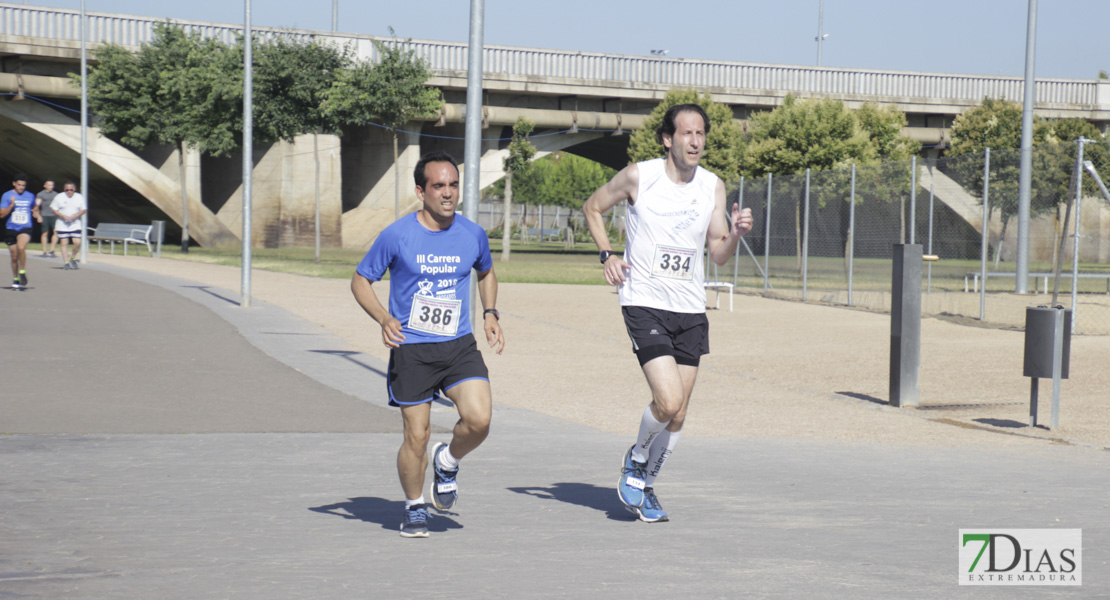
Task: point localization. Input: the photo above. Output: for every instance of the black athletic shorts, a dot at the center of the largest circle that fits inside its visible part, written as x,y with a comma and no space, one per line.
11,236
420,373
655,332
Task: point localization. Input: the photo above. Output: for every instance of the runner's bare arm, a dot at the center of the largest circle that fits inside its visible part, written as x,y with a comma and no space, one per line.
722,240
622,186
35,211
487,290
363,290
4,210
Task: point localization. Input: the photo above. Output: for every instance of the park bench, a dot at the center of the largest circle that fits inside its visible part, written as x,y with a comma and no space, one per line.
123,233
973,276
543,233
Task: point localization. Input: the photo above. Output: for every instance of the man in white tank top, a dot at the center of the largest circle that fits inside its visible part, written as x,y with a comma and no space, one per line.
675,207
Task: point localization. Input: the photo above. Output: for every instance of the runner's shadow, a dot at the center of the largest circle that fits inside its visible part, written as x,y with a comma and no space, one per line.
583,494
386,513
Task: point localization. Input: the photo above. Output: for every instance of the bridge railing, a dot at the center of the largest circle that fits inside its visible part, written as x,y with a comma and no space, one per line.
664,73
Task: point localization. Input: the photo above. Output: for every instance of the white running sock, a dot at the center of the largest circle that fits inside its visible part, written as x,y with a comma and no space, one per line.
649,430
412,503
661,450
446,460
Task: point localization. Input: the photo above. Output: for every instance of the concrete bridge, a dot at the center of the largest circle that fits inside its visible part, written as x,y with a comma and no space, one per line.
588,99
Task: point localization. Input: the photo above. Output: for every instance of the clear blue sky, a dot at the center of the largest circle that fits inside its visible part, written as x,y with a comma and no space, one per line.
950,36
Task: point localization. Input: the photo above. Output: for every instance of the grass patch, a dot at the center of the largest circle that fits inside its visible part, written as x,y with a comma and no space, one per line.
551,262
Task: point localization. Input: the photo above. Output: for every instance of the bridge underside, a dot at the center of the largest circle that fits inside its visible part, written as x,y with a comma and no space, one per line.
357,179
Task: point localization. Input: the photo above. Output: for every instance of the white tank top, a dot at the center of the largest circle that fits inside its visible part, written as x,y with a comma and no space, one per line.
666,229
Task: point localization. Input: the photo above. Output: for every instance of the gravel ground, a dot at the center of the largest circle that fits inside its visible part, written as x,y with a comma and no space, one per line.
778,368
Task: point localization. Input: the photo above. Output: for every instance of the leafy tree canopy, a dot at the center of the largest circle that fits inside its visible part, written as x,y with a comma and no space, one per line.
558,179
290,81
722,145
393,91
819,134
180,89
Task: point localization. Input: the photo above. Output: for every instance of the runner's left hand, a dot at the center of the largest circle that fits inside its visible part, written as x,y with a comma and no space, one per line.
493,334
741,220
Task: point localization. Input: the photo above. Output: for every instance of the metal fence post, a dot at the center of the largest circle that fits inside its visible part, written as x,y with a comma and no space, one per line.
929,287
913,198
736,259
1075,247
805,243
851,231
767,240
986,235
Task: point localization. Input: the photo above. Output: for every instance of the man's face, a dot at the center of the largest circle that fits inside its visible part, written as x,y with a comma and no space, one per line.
688,142
19,186
70,190
440,193
48,186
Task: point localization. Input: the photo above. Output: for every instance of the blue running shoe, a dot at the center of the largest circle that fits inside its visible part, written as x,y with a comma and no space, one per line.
651,511
23,279
445,490
415,522
630,487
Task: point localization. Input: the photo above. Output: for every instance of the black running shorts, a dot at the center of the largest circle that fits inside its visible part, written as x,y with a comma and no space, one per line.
655,332
420,373
11,236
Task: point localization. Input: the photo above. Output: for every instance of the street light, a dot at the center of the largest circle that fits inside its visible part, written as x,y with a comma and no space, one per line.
821,35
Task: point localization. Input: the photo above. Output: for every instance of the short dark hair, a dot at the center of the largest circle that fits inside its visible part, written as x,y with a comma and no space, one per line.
434,156
667,126
69,183
19,177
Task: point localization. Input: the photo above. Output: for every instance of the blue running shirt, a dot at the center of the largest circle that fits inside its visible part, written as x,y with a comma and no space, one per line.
429,275
20,217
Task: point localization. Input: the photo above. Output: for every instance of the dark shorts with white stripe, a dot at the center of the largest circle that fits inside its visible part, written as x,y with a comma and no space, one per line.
420,373
656,332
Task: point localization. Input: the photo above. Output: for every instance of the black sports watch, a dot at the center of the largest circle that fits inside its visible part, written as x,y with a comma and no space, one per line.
605,254
492,311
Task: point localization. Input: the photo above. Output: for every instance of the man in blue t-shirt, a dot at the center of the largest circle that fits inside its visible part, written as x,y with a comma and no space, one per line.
21,209
429,255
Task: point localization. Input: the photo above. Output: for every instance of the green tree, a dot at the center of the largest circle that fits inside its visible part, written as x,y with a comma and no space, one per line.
180,89
722,145
394,91
291,80
818,134
520,152
996,124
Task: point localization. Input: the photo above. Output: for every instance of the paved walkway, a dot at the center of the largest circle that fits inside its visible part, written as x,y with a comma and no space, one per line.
164,443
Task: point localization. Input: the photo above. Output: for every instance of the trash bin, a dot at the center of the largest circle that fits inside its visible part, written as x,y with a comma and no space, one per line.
1040,337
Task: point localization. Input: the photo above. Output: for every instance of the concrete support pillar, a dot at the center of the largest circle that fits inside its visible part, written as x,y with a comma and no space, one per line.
283,196
371,160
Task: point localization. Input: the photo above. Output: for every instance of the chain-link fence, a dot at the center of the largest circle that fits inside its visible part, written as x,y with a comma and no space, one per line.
828,236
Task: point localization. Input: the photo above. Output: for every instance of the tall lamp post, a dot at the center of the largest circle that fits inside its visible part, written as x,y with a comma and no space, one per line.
84,135
1025,175
248,153
821,35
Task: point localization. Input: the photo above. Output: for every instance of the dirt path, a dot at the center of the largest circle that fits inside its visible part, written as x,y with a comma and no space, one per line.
777,368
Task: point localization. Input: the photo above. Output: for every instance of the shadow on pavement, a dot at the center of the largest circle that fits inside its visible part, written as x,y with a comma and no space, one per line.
866,397
583,494
208,290
350,355
386,513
